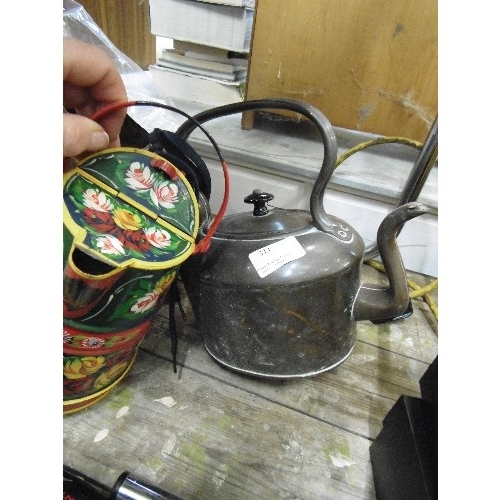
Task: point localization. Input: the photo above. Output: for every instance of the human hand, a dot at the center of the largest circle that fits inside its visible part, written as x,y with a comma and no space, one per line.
90,82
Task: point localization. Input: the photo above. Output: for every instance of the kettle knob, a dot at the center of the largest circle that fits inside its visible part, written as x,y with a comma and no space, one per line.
259,200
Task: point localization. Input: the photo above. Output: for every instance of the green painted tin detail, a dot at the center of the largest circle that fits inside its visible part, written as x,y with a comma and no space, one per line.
131,172
124,205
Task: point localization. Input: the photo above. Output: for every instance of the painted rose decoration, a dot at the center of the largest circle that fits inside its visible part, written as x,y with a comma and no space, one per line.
117,226
136,210
128,231
139,177
158,237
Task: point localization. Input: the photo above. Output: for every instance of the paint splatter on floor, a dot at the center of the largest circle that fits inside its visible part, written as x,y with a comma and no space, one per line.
340,461
122,411
220,476
101,435
169,445
168,401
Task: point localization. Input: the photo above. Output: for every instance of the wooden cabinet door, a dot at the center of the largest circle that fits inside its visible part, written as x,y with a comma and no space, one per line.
127,25
369,65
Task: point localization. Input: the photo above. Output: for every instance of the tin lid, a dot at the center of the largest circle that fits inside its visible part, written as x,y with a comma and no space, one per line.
130,207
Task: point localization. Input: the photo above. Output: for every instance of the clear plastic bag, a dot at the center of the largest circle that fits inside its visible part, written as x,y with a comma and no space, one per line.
78,24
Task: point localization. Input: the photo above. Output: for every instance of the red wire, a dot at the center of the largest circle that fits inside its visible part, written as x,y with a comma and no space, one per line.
204,244
112,107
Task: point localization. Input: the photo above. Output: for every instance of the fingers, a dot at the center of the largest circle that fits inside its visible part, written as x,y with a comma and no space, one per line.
91,81
82,134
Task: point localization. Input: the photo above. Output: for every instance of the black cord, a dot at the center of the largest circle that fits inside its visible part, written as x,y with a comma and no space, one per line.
190,118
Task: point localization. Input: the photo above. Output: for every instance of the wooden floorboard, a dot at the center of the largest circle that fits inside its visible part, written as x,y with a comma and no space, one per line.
209,432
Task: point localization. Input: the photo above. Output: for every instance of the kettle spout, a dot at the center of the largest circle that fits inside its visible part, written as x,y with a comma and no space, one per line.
376,302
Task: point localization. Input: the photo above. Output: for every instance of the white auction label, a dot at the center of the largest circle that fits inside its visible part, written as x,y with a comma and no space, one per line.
268,259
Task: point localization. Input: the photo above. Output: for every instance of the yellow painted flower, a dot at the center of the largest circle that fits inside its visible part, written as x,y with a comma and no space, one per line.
164,283
110,376
126,219
81,367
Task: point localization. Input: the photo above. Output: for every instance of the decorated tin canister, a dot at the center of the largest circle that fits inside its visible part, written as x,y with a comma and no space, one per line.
94,362
130,220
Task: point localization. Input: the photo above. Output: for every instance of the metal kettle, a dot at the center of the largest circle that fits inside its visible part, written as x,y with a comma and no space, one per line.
278,293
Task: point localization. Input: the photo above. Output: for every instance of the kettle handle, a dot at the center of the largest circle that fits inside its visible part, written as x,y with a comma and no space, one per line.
321,220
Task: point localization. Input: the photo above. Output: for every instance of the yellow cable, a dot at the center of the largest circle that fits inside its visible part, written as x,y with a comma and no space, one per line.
423,292
373,142
376,265
417,290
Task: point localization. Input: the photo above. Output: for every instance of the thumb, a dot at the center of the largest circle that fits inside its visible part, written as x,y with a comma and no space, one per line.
82,134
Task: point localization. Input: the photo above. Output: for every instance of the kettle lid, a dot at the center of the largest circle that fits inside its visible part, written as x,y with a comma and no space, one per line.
263,221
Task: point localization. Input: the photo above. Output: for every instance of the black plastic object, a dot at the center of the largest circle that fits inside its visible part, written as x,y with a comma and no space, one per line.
259,200
171,147
404,455
127,487
132,135
178,151
78,486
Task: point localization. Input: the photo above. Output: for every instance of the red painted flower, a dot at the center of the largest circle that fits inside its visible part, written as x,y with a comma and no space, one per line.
159,238
145,303
140,177
136,240
97,200
67,337
77,387
165,194
101,221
